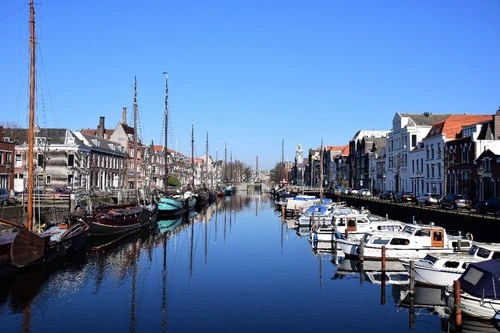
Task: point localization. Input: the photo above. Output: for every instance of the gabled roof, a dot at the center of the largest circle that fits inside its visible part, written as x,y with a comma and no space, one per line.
486,131
96,143
339,148
424,119
345,151
452,125
57,136
95,132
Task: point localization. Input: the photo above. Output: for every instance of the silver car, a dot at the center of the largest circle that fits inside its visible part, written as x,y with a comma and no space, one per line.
428,199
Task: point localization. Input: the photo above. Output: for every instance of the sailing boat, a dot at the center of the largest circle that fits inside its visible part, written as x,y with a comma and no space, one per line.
30,247
123,219
176,204
202,195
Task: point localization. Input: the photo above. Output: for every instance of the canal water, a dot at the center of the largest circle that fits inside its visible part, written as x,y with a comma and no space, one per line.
233,267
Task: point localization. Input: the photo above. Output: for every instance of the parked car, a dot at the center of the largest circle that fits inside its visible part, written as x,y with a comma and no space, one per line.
455,201
365,192
387,195
354,192
404,197
428,199
4,196
491,205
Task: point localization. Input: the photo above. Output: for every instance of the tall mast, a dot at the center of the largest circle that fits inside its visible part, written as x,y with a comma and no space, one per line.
135,135
192,152
206,159
166,130
321,172
31,134
225,163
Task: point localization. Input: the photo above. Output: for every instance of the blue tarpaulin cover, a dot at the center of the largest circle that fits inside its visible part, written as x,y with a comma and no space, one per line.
482,279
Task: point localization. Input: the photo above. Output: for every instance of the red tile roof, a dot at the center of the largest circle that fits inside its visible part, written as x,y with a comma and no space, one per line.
452,125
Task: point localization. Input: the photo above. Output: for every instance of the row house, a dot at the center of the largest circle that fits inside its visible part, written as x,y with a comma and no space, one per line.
59,158
125,136
7,153
407,131
374,161
439,153
360,147
330,155
445,156
103,164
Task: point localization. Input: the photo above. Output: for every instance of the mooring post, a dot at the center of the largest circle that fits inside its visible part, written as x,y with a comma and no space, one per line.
362,249
383,259
412,277
458,309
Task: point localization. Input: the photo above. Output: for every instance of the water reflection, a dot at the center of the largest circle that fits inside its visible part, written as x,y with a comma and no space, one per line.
226,271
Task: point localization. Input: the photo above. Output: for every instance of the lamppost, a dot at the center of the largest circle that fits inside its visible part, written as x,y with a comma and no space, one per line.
372,171
8,166
480,172
418,185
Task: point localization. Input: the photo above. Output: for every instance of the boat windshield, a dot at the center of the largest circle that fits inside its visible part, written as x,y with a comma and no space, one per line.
409,229
430,258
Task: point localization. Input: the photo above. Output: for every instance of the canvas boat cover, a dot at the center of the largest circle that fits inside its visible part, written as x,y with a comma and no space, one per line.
482,279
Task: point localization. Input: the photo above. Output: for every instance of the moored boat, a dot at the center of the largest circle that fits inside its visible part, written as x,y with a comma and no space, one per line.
413,242
479,290
176,204
441,269
121,219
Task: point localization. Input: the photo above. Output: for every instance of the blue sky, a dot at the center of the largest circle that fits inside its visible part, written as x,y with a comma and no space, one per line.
251,74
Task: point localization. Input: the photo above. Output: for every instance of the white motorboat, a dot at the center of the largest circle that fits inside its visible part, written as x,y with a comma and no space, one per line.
354,225
441,269
413,242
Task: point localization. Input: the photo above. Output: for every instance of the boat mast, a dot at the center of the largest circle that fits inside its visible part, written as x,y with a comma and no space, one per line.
192,152
166,130
135,137
31,133
225,164
321,172
206,160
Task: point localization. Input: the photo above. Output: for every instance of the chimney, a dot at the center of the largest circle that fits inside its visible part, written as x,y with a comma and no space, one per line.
124,116
496,124
101,129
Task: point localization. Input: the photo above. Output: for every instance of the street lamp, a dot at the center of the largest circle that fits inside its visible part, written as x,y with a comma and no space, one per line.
8,166
418,187
372,171
480,172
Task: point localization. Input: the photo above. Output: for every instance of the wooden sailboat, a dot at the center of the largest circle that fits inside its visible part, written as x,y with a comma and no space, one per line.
124,219
169,204
202,195
30,247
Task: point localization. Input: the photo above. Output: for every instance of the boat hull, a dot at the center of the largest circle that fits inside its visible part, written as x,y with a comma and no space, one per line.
123,221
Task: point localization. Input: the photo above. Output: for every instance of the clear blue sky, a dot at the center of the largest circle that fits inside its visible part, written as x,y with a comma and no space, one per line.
251,73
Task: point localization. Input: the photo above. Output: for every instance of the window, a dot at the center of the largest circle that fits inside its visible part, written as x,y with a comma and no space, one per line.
71,160
48,180
413,140
40,160
19,161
